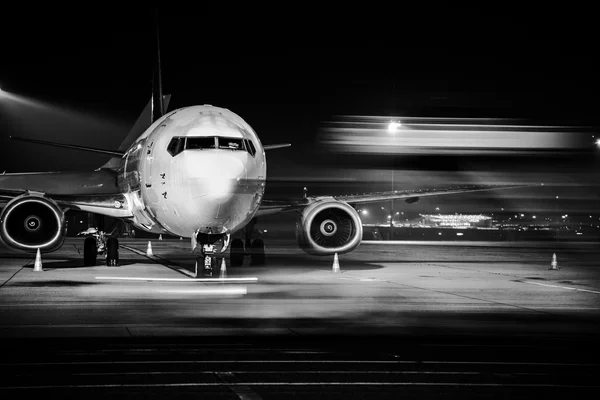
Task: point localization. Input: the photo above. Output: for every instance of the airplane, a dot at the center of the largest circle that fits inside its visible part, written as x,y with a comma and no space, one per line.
198,172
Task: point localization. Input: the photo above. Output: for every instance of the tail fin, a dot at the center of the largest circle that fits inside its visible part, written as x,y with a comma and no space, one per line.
156,107
142,123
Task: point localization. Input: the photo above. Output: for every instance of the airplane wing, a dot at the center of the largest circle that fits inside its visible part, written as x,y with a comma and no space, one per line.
410,196
93,191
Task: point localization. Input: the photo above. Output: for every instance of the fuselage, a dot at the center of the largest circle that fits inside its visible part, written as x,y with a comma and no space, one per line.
198,169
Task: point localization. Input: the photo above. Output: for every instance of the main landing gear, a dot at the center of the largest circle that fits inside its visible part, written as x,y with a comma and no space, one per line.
254,248
97,243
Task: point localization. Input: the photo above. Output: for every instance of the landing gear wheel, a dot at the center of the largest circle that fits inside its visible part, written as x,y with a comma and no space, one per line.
237,252
112,252
258,252
209,262
90,251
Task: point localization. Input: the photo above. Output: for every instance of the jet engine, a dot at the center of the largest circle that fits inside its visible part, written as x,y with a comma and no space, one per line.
328,227
29,222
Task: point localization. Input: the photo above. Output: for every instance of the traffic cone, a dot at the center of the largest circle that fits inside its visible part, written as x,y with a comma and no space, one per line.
223,269
554,264
149,251
160,237
336,263
37,266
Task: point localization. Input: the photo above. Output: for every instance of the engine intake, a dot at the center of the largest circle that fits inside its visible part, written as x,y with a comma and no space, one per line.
29,222
328,227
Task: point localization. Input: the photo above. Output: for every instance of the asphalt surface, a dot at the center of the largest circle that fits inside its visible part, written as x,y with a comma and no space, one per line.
399,320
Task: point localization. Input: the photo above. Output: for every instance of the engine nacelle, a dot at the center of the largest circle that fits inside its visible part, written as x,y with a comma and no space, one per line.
328,227
29,222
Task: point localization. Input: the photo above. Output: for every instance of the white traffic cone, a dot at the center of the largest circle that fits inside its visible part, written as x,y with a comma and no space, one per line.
336,263
223,269
37,266
149,251
180,238
554,264
160,237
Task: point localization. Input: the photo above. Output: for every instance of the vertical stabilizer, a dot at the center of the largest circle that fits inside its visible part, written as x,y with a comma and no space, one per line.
141,124
158,109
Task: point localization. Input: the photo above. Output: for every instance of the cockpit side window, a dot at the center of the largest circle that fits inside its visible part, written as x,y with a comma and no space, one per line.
231,143
201,143
250,147
176,146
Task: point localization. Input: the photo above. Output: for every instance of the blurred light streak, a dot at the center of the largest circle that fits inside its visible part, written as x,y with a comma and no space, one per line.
416,135
393,126
19,100
35,118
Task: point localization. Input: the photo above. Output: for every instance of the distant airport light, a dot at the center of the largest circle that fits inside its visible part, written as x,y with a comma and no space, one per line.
393,126
365,212
597,140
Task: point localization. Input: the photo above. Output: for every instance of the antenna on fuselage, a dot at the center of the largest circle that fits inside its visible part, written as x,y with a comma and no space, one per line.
158,109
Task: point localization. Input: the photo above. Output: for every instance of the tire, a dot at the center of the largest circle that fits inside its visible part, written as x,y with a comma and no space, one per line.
112,251
258,252
236,252
90,251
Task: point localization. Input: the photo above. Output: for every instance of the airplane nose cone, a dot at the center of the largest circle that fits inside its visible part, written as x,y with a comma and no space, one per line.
214,176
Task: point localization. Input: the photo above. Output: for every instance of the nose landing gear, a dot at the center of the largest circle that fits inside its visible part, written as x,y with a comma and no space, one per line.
211,247
209,251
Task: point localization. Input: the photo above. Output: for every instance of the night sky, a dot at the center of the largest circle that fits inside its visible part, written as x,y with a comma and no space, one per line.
85,76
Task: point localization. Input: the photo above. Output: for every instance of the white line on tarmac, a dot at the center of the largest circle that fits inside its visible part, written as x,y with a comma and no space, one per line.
124,278
205,290
562,287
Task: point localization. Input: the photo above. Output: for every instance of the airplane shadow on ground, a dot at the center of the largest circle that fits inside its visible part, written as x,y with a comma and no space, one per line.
76,263
54,283
324,263
279,262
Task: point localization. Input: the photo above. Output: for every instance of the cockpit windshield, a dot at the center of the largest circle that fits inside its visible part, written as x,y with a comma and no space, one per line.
231,143
201,143
178,144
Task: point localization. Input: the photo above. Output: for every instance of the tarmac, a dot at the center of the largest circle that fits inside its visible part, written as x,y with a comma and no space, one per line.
398,320
388,288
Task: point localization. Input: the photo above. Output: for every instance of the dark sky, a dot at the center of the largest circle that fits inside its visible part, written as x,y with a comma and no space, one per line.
286,70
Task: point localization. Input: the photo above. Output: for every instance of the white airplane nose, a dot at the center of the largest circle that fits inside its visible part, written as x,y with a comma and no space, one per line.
214,176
